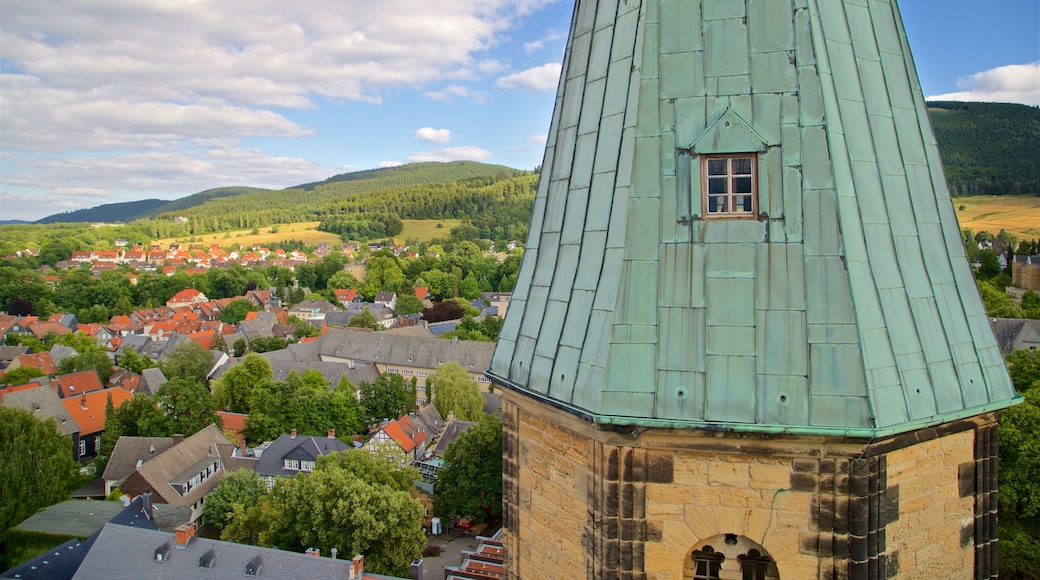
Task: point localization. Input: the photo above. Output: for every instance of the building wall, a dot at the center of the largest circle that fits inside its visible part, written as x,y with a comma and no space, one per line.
1025,275
582,502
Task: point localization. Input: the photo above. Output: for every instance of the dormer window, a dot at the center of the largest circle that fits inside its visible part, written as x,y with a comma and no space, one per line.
293,464
307,465
729,185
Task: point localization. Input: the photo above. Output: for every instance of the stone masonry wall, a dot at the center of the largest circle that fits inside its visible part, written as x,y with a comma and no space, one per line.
584,502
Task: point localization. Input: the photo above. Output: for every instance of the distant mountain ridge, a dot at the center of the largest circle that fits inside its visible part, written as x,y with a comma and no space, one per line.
346,184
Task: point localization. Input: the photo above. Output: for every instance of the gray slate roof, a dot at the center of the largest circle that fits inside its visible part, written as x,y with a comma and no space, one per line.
451,433
129,450
299,447
151,380
44,402
403,350
124,552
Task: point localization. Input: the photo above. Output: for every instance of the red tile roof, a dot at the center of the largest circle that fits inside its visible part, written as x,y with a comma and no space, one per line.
40,360
74,384
88,409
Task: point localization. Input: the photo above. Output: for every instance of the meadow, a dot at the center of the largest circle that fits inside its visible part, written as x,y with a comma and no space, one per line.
1018,214
307,232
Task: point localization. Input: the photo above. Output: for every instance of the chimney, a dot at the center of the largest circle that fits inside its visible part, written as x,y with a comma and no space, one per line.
313,552
292,434
185,532
357,567
332,433
333,552
242,448
177,438
83,401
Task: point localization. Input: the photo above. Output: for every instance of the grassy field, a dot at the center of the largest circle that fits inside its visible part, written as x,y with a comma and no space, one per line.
307,232
1018,214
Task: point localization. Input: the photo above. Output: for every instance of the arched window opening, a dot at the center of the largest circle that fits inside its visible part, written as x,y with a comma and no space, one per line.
707,563
753,565
729,556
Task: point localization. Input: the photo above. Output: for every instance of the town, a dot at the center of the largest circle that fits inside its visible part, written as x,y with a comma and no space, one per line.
166,402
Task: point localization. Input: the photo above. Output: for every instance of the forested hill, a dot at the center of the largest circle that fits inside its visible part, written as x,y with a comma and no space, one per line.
111,212
988,148
251,206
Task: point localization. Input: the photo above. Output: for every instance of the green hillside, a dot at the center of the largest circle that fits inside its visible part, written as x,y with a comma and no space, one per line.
111,212
201,198
988,148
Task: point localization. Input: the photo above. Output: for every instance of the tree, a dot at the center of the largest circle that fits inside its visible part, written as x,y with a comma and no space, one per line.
305,403
388,397
1019,522
998,304
241,487
187,406
233,391
443,310
408,304
455,392
139,417
364,320
470,483
37,465
236,310
239,347
109,437
91,360
190,361
133,361
352,503
20,375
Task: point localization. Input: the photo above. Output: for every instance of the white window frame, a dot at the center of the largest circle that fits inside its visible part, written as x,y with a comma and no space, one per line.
729,178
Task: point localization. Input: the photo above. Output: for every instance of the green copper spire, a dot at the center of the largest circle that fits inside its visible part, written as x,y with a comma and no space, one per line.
742,223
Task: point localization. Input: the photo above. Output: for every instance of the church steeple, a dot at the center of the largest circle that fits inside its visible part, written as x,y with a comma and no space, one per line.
743,223
744,340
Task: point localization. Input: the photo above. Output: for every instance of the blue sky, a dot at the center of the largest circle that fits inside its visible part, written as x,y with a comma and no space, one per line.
104,101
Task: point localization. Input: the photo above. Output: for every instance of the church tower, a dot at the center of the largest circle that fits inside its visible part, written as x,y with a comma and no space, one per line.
745,341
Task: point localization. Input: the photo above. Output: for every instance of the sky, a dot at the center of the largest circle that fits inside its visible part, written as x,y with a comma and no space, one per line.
105,101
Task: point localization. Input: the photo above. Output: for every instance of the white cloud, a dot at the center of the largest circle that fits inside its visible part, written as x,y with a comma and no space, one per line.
1014,83
533,46
434,135
385,164
76,191
122,80
540,78
467,153
536,45
540,138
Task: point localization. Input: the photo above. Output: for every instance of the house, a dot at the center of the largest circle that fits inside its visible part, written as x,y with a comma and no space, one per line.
183,474
233,423
404,432
347,295
487,562
88,409
60,352
125,379
130,453
386,299
42,401
9,353
186,297
73,384
409,356
423,293
497,300
1016,334
130,552
292,454
40,360
312,309
151,380
1025,272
